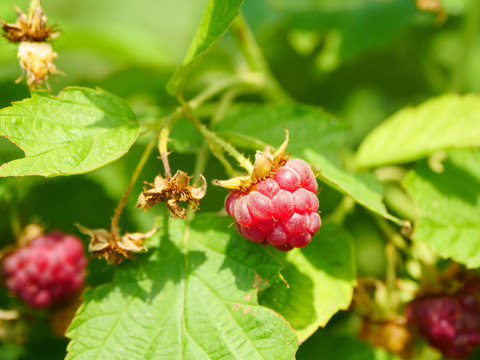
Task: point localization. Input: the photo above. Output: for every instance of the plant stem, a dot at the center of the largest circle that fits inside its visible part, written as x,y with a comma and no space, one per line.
249,79
342,210
215,140
391,273
469,35
163,148
136,173
247,44
33,5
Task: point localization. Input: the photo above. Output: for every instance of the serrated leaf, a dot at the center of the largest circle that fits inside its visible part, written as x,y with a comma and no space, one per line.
449,207
320,282
312,132
216,20
363,188
447,122
309,127
193,297
75,132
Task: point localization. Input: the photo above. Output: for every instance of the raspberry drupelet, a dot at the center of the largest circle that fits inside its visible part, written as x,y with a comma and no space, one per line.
280,210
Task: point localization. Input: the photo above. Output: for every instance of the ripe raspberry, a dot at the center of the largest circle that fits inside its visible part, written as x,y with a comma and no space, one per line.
49,269
450,323
280,210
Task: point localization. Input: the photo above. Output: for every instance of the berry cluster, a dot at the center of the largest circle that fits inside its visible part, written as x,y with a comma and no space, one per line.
280,210
50,268
450,323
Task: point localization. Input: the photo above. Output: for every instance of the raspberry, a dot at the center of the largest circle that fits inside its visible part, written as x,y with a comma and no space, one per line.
279,210
450,323
49,269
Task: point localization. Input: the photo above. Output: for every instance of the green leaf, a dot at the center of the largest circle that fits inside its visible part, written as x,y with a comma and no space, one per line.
363,188
309,127
320,282
75,132
193,297
334,346
447,122
449,207
350,28
216,20
314,135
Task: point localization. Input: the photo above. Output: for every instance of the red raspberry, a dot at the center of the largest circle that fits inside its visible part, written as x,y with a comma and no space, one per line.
281,210
450,323
49,269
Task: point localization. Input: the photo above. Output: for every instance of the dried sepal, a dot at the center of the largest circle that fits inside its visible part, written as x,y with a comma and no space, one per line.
115,248
35,53
266,164
172,192
29,28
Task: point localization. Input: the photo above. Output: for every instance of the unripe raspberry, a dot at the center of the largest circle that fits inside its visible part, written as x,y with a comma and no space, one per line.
49,269
280,210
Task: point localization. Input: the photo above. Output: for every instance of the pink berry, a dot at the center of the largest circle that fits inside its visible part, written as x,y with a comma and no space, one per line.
288,179
242,214
268,187
259,205
297,224
49,269
282,204
280,210
278,236
251,233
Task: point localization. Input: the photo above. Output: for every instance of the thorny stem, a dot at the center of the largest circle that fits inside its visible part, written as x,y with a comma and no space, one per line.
247,44
136,173
214,139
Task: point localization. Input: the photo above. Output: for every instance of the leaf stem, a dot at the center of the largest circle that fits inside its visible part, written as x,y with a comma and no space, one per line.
249,79
245,40
33,5
163,148
215,140
136,173
345,207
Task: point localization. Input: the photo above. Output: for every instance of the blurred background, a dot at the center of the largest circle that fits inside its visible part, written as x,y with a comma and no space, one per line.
359,59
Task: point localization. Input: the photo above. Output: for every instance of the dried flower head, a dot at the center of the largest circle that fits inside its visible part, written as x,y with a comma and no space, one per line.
115,248
34,51
29,28
172,192
266,164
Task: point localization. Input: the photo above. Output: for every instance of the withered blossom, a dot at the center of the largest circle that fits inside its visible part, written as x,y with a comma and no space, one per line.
265,166
34,50
115,248
172,192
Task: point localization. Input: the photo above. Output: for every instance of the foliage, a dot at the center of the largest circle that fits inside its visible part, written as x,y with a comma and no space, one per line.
379,97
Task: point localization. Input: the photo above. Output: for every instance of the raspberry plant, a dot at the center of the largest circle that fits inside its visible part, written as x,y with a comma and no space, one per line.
251,180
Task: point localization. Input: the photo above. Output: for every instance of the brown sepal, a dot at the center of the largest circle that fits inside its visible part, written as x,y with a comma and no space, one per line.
115,248
172,192
33,28
266,164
